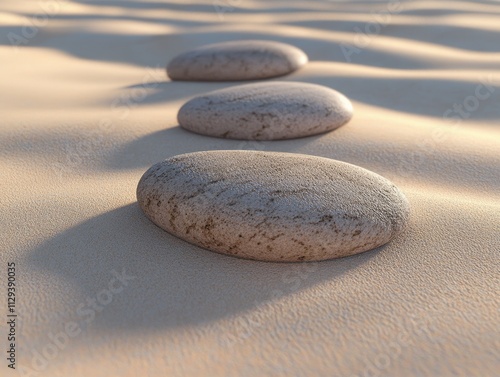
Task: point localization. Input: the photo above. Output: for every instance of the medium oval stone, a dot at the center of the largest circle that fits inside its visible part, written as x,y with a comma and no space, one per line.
236,60
272,206
266,111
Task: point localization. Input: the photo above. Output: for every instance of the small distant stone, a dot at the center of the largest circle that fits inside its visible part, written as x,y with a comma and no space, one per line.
266,111
236,60
272,206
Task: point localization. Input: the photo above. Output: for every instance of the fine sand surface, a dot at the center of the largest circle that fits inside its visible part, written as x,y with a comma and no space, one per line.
86,108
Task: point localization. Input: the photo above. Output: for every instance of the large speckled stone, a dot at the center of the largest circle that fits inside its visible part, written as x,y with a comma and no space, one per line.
236,60
272,206
266,111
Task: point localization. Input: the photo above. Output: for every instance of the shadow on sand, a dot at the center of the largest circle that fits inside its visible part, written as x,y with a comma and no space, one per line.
178,283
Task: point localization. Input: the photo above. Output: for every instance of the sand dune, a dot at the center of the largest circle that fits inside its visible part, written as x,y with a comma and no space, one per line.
87,108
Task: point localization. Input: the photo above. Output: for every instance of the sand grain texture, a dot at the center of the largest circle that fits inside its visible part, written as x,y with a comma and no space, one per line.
86,108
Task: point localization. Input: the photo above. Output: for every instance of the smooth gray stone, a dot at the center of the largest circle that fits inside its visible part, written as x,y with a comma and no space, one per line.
272,206
236,60
266,111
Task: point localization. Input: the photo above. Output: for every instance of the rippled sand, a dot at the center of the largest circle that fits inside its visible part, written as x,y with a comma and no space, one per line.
86,108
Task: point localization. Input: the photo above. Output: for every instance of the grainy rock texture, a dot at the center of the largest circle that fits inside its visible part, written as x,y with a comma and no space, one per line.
272,206
236,60
266,111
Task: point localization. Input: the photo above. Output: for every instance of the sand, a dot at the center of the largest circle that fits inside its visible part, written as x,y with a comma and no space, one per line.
86,108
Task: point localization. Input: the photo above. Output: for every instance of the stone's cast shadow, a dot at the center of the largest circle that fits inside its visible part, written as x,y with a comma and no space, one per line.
411,95
157,146
168,91
152,148
408,95
174,283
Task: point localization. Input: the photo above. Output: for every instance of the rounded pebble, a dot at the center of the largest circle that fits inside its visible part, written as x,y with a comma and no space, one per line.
266,111
236,60
272,206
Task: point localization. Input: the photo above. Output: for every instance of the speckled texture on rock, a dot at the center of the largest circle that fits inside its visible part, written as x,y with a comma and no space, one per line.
236,60
272,206
266,111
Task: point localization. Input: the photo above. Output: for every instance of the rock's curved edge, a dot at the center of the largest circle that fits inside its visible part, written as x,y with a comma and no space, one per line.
405,214
235,80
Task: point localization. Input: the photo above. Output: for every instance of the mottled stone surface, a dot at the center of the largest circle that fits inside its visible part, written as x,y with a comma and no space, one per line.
236,60
266,111
272,206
